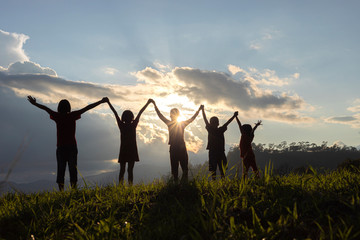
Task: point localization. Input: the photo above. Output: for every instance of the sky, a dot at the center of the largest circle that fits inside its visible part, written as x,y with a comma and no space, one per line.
291,64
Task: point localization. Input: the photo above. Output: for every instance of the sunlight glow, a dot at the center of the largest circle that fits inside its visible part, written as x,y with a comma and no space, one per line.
115,160
186,107
181,118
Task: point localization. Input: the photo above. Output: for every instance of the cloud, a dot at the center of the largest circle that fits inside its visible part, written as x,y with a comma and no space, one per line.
263,39
266,77
355,107
160,66
235,69
255,45
110,71
11,48
220,89
51,89
27,67
180,87
149,75
343,119
351,120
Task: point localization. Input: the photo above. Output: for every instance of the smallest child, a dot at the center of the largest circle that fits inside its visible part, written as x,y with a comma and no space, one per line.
246,151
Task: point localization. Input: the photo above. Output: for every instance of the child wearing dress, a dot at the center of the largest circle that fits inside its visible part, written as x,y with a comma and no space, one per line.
128,147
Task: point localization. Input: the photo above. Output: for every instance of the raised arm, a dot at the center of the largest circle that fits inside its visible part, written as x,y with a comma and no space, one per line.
142,110
239,123
115,113
230,120
90,106
256,125
164,119
204,116
194,116
32,100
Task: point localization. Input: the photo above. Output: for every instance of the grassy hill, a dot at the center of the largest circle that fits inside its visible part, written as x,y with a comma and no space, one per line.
311,205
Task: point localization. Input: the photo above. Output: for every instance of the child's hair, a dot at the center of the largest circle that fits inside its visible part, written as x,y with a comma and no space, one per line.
247,129
127,116
64,106
174,113
214,121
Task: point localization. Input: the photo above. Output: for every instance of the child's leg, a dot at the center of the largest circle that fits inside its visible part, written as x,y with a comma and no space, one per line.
61,187
61,166
122,172
245,168
72,160
255,168
251,160
184,161
174,163
131,172
212,164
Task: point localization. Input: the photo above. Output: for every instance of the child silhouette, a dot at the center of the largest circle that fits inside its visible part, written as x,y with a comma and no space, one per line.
178,152
66,151
128,148
246,151
216,143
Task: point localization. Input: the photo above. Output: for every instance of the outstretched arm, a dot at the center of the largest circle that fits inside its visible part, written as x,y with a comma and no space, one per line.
204,116
239,123
164,119
230,120
142,110
90,106
256,125
115,113
194,116
32,100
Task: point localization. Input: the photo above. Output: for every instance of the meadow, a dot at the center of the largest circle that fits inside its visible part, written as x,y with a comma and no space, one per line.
310,205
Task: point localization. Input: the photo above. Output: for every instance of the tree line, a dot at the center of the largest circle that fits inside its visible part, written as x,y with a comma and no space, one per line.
303,146
296,156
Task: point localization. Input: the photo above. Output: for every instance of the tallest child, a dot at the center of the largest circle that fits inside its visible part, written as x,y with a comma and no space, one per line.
66,143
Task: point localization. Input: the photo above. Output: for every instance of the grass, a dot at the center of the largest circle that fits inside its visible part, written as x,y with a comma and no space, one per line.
307,206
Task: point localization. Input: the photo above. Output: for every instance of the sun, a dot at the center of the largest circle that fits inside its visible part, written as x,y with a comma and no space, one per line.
185,106
181,118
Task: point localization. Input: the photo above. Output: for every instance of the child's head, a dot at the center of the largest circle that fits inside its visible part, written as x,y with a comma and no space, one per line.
174,114
247,129
214,121
127,116
64,106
